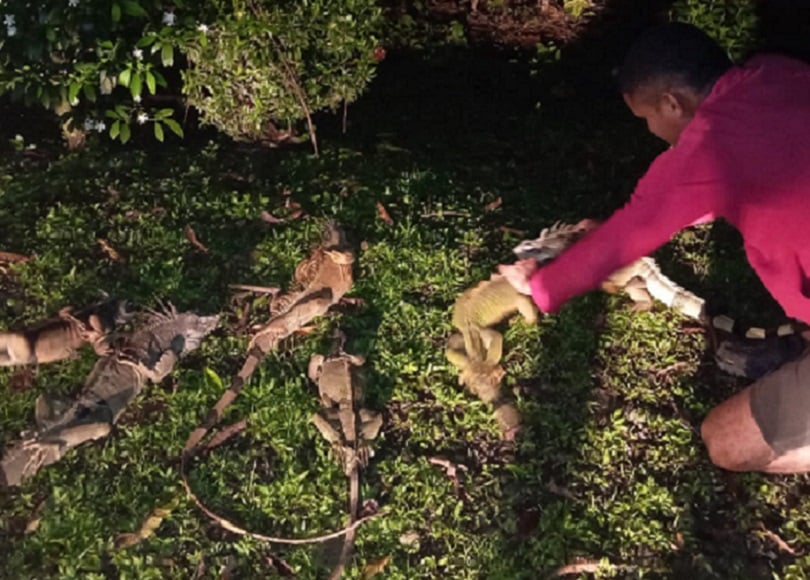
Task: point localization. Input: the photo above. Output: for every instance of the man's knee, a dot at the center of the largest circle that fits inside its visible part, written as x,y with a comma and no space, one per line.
733,438
721,450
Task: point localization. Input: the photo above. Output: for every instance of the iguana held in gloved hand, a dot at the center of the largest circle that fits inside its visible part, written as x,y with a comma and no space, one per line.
148,353
320,282
59,338
346,424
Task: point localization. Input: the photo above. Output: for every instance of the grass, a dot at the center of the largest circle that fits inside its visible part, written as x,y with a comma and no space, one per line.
609,468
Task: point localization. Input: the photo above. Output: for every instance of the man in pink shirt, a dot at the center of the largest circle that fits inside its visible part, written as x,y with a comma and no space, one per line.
740,150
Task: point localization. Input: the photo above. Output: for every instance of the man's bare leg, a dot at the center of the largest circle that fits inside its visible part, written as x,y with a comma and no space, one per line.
735,441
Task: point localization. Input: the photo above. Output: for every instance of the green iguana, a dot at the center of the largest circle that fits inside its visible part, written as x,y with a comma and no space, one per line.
476,349
60,337
346,424
148,353
320,282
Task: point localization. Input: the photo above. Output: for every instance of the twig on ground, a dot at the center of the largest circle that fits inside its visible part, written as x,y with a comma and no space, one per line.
780,543
261,289
191,235
232,527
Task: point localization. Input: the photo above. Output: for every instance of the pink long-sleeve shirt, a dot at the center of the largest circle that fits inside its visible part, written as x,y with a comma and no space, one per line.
745,157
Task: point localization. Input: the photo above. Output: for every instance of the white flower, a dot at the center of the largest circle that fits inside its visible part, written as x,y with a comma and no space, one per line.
73,3
169,18
203,28
8,20
137,98
74,102
100,126
142,118
137,53
89,124
11,30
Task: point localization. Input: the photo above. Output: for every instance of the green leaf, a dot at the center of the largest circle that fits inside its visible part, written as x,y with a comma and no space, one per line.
174,126
147,40
125,132
159,132
164,113
151,83
135,85
115,129
133,8
167,55
115,12
212,376
161,80
123,78
90,93
73,91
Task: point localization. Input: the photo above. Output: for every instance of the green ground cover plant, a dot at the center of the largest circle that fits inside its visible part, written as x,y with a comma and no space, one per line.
609,471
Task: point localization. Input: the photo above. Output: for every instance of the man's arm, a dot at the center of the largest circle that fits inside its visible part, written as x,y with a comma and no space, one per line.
669,198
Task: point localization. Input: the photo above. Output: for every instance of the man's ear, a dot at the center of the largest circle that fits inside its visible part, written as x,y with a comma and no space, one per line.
672,105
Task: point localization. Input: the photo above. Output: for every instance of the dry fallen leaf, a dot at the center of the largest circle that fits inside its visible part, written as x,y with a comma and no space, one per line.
376,566
270,218
384,215
192,237
111,252
493,204
278,565
13,258
515,231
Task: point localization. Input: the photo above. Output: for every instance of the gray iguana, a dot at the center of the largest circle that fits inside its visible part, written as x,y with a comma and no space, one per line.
751,352
642,280
346,424
58,338
321,280
148,353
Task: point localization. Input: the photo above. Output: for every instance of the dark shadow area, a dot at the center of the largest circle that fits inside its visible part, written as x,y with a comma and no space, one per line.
469,111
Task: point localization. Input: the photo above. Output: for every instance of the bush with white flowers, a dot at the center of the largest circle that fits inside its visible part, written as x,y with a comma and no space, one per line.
101,65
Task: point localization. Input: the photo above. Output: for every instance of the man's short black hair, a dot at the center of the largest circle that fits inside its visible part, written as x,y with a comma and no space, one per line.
677,54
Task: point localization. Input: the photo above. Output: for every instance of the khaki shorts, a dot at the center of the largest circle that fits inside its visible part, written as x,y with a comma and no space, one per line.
780,404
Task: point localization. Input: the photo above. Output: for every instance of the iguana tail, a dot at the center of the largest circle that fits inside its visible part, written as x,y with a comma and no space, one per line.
348,538
664,289
15,349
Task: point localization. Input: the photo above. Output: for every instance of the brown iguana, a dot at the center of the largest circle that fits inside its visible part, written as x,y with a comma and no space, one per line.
116,379
320,282
345,424
476,349
59,338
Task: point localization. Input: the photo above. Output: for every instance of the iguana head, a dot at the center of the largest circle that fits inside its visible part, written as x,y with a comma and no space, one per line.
552,241
333,237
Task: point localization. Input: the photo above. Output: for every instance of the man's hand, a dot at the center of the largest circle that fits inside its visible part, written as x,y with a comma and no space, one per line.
519,274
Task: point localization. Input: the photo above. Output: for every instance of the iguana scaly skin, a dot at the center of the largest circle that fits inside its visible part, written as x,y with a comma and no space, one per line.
346,424
477,348
751,352
60,337
148,353
642,280
320,282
